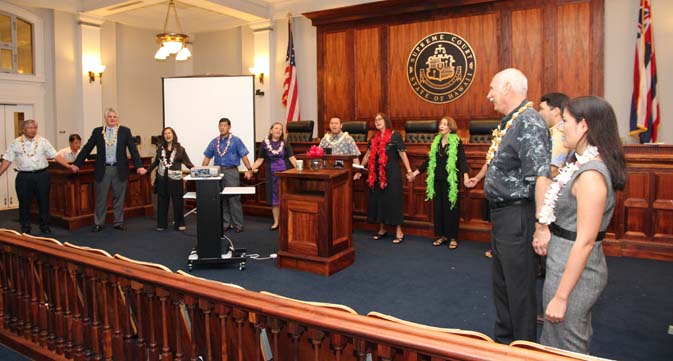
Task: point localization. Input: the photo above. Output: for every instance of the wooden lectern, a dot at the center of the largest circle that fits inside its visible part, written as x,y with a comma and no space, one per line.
316,223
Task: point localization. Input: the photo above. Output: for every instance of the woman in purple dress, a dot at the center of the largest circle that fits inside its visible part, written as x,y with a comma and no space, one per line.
279,157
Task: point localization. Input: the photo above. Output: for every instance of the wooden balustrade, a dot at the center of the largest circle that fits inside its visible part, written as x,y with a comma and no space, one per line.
68,303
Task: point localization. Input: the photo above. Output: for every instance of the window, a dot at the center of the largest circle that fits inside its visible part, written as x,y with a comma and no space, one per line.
16,45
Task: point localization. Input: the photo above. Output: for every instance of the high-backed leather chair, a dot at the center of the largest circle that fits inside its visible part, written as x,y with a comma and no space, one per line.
300,131
481,130
421,131
356,129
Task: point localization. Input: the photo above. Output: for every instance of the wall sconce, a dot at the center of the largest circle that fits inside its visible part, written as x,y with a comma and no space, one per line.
258,73
97,69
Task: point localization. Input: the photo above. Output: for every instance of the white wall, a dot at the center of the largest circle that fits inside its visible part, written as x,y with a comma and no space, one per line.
139,84
218,52
620,42
67,113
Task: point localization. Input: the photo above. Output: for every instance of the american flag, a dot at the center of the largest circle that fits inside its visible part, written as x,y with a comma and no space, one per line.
644,104
290,92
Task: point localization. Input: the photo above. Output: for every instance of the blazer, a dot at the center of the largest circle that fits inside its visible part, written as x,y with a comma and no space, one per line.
124,141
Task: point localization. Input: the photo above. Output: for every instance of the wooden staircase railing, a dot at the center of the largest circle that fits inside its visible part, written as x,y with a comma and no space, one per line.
67,303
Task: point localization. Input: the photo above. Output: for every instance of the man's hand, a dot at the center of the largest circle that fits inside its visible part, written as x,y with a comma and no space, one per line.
74,168
248,175
357,176
141,171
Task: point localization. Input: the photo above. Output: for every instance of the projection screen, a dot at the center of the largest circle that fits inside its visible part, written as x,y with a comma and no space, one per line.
193,106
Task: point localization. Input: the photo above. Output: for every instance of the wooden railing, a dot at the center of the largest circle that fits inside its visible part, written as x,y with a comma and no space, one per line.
60,302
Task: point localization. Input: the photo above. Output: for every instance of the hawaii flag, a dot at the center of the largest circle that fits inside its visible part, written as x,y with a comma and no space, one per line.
290,97
644,104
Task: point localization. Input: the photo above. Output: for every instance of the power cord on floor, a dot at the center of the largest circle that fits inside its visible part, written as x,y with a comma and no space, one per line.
256,256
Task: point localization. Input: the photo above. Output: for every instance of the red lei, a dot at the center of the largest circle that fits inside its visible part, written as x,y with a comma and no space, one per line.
378,154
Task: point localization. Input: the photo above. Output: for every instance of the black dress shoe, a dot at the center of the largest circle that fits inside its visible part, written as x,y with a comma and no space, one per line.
45,230
119,227
97,228
272,228
25,230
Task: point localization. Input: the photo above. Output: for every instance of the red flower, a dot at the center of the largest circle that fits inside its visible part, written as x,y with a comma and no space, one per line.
315,152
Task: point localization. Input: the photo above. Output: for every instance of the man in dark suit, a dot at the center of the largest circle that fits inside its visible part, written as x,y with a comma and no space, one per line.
111,167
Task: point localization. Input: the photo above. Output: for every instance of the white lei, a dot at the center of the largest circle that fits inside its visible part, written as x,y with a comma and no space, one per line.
338,140
36,144
169,163
270,148
498,133
226,147
112,141
547,215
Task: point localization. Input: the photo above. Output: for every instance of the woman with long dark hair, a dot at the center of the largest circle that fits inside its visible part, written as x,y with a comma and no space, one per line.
279,156
384,205
445,163
168,185
578,207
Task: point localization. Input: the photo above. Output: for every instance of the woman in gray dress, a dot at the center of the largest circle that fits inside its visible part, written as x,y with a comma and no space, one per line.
578,207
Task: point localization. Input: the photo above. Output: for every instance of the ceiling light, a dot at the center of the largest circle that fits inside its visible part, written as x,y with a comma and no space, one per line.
172,42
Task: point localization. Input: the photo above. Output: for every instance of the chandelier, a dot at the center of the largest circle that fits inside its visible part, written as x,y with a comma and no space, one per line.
172,42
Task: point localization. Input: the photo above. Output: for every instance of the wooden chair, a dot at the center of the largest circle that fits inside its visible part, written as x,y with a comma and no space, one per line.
554,351
453,331
333,306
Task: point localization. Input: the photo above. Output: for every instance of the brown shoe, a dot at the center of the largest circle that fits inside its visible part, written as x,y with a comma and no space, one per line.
453,244
439,241
489,253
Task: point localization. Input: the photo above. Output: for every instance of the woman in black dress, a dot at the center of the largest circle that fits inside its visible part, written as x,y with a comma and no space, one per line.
384,179
279,157
446,162
171,156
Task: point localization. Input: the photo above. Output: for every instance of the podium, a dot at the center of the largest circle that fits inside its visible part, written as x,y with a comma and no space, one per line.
316,220
209,228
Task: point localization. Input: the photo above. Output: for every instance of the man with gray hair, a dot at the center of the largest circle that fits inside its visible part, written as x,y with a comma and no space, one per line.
29,153
517,173
111,168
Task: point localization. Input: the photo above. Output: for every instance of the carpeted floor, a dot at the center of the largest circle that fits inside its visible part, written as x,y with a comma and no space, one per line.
413,281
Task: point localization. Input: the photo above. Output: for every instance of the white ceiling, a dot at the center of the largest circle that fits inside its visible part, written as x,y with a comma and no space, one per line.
195,15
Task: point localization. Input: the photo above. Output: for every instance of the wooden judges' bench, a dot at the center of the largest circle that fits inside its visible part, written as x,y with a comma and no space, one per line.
72,199
642,225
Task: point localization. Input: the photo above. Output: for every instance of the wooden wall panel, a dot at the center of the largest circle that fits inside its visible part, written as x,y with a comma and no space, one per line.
573,48
636,205
528,48
338,84
369,71
662,206
479,31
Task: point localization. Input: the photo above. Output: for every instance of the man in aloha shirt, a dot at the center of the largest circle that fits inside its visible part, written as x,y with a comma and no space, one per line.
340,142
551,109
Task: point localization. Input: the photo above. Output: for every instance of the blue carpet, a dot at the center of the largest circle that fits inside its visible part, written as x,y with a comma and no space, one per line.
413,281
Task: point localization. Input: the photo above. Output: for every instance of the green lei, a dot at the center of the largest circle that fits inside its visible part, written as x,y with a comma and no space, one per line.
452,179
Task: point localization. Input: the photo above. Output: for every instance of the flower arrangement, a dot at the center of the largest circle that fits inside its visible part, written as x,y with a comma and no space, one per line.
315,152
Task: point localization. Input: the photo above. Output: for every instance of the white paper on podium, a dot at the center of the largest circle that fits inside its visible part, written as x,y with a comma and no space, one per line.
189,195
189,177
238,190
357,166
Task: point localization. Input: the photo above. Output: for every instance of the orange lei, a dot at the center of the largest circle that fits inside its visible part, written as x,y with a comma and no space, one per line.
378,154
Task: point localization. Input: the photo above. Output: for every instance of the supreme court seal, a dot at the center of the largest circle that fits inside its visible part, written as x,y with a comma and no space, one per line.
441,67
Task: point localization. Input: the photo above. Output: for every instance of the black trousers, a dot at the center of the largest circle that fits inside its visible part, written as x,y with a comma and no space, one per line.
28,185
446,219
514,272
162,209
